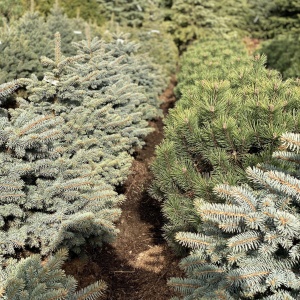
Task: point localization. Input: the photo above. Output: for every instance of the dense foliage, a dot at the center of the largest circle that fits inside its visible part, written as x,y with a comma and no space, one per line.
279,22
74,107
23,42
249,247
88,10
230,115
32,279
273,18
283,54
66,145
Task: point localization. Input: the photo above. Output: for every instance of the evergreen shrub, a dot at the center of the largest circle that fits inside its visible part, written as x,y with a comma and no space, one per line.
32,279
248,247
283,54
126,12
66,145
273,18
47,201
89,11
194,19
152,38
278,23
231,114
24,41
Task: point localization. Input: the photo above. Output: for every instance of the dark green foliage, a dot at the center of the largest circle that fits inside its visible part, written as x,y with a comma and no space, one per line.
283,54
125,12
194,19
231,113
279,21
273,18
238,15
31,279
248,248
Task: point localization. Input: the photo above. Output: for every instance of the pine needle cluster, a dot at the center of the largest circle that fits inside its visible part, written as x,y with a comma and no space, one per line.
231,114
248,247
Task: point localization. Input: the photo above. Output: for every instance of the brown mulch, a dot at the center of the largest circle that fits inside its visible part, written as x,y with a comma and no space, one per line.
139,263
251,44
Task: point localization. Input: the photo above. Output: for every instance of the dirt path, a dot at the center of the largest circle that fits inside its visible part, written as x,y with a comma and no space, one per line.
138,264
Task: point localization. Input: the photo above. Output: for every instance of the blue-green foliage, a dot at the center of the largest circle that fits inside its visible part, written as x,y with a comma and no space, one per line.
24,41
154,40
47,202
31,279
66,145
248,247
100,84
102,116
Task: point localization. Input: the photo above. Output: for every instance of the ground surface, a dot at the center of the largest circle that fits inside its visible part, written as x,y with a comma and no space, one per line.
138,264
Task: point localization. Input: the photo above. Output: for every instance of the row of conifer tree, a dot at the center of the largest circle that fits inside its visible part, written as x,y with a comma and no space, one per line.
74,107
228,192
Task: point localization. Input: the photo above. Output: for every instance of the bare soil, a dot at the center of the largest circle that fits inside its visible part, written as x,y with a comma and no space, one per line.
251,44
139,263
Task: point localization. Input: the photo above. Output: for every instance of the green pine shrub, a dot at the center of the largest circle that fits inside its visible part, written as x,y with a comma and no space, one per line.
205,61
230,115
152,38
194,19
238,15
273,18
248,247
283,54
279,23
32,279
125,12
